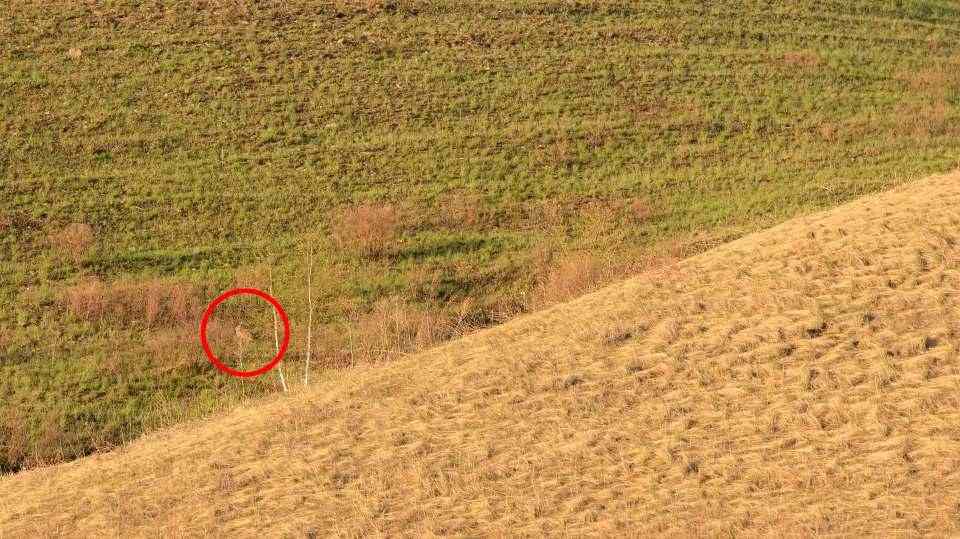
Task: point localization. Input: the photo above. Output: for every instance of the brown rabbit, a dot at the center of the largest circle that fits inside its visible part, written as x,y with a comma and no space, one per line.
243,338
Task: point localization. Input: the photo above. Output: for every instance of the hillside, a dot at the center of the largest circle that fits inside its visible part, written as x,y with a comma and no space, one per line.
799,381
450,163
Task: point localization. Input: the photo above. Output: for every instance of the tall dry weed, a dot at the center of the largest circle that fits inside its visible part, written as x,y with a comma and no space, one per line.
805,59
14,441
367,229
460,210
550,216
639,210
72,242
924,120
151,303
87,299
392,327
570,276
175,348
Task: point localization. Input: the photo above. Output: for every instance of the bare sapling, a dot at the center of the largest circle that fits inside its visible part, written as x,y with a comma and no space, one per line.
276,337
306,367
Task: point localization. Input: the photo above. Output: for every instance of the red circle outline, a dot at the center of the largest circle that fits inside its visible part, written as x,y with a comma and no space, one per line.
213,307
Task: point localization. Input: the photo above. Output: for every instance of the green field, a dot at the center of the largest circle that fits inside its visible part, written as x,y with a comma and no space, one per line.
449,164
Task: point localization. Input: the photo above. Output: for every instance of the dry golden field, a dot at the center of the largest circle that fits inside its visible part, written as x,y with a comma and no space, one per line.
801,381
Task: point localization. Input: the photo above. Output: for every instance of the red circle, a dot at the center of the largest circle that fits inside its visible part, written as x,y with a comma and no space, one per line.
213,307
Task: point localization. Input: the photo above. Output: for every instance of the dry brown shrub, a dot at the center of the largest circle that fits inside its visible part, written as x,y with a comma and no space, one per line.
331,347
87,299
506,309
424,282
682,155
154,302
49,444
125,301
101,443
367,229
114,363
174,348
924,119
151,302
681,248
72,242
220,335
459,210
182,301
639,210
549,215
598,134
393,327
569,277
14,442
595,215
801,59
927,79
464,316
935,82
74,53
561,278
935,44
598,218
827,131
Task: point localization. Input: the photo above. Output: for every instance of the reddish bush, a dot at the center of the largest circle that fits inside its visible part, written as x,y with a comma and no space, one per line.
368,229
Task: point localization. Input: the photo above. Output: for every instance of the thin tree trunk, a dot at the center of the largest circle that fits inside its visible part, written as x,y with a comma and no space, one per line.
276,336
306,367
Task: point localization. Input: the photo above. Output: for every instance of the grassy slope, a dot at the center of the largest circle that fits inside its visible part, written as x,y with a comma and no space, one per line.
198,141
799,381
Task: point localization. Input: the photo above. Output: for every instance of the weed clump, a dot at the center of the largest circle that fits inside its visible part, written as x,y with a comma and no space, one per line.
571,276
72,242
801,59
148,303
367,229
